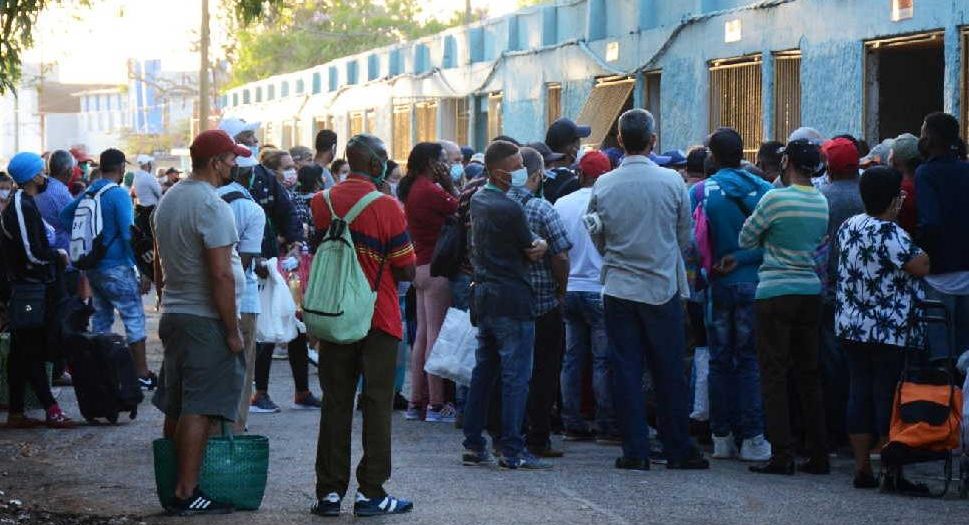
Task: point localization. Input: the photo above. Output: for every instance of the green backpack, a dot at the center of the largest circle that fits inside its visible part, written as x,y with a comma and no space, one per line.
339,301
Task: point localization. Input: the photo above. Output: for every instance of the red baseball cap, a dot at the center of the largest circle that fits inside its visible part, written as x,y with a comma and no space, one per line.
842,155
81,156
215,142
595,163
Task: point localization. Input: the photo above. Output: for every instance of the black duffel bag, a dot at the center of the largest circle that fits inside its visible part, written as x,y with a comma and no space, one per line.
449,250
28,305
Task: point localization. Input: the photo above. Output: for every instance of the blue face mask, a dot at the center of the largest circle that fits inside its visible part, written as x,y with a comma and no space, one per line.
255,151
519,178
457,171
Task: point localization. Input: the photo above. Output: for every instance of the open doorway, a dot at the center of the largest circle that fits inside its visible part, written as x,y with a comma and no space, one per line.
904,78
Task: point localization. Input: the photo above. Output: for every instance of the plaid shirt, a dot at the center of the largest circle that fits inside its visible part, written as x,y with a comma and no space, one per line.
545,222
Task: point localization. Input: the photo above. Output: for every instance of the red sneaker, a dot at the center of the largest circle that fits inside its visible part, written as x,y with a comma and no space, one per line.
57,419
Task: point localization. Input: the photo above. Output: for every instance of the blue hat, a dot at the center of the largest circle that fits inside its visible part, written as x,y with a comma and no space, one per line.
473,171
661,160
677,158
25,166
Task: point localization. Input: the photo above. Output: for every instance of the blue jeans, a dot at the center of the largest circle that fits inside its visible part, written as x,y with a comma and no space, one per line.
505,351
735,397
585,334
636,329
117,289
939,338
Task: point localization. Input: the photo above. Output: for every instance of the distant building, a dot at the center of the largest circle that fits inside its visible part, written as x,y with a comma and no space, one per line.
872,68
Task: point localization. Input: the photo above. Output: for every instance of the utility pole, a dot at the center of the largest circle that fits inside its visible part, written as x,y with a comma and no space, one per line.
204,95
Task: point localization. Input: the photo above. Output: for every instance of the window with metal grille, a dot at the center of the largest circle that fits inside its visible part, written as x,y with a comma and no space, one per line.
284,89
494,114
288,129
245,96
735,100
370,119
462,119
259,94
426,114
652,91
553,102
787,94
356,123
402,132
601,110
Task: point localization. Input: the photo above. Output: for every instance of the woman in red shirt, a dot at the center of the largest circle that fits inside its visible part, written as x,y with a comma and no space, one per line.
428,196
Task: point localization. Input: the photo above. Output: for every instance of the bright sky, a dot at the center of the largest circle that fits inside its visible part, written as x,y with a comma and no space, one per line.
92,45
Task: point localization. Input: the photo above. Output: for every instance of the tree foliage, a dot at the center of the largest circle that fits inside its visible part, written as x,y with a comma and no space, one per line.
296,35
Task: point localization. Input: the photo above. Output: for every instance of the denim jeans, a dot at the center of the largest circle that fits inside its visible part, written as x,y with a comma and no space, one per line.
735,397
505,351
585,335
117,289
939,338
834,374
636,329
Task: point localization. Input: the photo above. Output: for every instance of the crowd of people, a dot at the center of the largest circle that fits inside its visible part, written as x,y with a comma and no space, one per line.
594,278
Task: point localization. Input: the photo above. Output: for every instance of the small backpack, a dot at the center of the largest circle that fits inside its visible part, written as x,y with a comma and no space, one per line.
87,246
339,301
701,230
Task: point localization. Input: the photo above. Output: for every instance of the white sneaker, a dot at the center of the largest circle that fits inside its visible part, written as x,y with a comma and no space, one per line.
755,449
724,447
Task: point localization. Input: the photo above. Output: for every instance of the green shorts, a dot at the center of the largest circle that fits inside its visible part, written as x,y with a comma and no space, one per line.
199,375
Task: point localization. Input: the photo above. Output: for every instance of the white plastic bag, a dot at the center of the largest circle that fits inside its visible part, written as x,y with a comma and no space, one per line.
276,322
701,386
453,354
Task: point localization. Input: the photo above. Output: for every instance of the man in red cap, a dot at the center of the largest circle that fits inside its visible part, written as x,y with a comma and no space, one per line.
197,264
585,323
844,202
82,167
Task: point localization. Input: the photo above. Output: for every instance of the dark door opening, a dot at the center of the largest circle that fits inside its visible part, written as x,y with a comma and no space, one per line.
905,84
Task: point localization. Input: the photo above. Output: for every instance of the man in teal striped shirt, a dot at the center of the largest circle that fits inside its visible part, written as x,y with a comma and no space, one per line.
790,224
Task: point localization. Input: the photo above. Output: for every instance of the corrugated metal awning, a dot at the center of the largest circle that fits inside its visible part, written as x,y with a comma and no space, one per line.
602,108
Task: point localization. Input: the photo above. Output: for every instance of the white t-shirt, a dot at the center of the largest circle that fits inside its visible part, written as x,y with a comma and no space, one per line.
250,224
146,188
584,260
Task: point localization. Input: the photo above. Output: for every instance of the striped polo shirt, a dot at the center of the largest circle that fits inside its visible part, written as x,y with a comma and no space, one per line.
789,223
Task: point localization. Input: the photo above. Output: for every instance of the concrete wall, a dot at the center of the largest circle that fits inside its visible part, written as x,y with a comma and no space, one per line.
566,42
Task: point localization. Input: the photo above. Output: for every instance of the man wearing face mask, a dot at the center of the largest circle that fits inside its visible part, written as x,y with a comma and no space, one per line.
501,247
455,160
549,278
114,284
266,190
386,256
29,259
6,188
565,138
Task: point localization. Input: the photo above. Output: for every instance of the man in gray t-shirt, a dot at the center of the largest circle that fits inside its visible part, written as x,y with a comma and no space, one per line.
198,271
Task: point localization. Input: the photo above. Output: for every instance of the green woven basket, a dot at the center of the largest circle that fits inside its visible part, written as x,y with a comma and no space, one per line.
234,470
30,398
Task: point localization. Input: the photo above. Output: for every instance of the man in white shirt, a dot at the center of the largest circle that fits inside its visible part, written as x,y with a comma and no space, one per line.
585,323
145,186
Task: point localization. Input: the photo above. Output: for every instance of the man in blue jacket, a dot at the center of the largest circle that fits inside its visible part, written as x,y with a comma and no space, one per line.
114,283
736,410
942,192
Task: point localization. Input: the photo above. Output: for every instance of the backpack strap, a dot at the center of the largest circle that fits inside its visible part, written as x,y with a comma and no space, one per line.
233,196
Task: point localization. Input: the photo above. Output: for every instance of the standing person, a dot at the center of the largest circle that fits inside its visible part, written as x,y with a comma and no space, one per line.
427,192
769,161
906,159
642,224
250,223
878,289
302,156
844,201
29,259
549,278
585,321
942,183
502,298
788,305
455,163
6,190
145,187
114,283
280,164
199,269
736,409
172,176
563,137
325,153
386,257
52,201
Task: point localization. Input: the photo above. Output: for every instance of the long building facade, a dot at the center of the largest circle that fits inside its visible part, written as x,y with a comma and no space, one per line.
872,68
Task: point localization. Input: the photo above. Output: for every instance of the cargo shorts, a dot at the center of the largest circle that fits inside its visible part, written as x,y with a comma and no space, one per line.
199,375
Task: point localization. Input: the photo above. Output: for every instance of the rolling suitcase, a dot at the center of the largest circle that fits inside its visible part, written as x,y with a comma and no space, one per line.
104,377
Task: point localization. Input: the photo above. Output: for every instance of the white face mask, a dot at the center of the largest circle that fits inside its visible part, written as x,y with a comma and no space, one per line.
4,194
289,178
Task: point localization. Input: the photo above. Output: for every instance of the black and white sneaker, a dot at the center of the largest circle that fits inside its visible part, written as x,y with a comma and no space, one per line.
149,382
197,503
328,506
365,507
